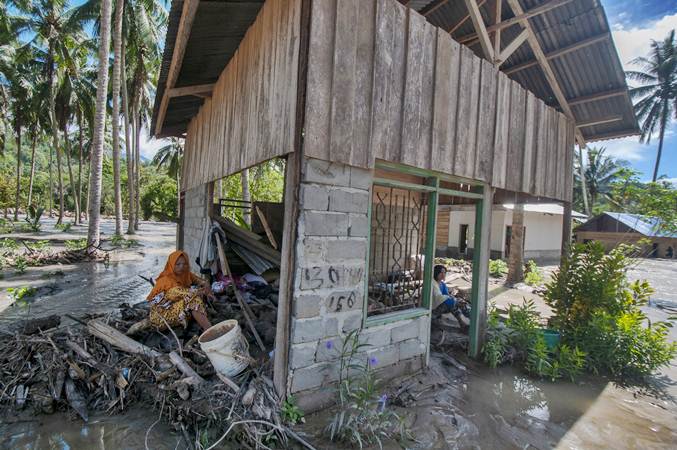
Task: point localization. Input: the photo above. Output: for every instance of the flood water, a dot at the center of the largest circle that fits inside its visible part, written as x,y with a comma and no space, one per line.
481,408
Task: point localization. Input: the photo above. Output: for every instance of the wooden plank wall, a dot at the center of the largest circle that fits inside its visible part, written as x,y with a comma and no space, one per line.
251,116
385,84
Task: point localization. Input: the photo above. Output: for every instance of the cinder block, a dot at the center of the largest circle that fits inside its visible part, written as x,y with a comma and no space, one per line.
302,355
306,330
341,200
346,249
344,301
312,249
325,223
411,348
360,178
409,330
325,172
352,321
306,306
328,350
385,356
313,376
375,337
359,225
314,197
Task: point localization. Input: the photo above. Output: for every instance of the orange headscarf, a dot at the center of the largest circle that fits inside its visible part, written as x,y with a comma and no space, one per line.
168,279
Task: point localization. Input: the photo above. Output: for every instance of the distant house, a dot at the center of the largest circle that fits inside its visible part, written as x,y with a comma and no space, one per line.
611,229
542,223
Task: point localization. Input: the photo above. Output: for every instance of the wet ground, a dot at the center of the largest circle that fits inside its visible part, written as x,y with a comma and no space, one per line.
87,287
476,408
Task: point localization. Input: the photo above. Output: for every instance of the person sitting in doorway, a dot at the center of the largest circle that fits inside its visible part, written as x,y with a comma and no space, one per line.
443,301
178,295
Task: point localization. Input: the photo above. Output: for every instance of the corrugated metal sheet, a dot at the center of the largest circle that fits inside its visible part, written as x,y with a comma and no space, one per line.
254,261
648,226
588,70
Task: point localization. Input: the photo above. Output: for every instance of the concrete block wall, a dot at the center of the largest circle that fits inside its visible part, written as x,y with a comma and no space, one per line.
196,214
329,288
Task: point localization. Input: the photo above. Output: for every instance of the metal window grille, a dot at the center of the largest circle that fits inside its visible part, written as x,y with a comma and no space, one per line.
397,248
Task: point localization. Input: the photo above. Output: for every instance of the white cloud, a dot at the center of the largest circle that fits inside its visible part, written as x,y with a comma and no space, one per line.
628,149
634,42
150,145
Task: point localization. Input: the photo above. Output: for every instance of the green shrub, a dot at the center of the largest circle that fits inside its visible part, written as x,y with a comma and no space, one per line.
291,413
598,311
20,264
6,226
65,227
9,244
362,417
497,268
33,218
76,244
39,245
533,275
118,240
20,293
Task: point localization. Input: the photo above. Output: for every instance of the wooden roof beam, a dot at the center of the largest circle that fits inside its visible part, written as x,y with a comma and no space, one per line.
183,34
198,90
464,19
511,48
559,52
597,96
533,12
600,121
480,28
433,7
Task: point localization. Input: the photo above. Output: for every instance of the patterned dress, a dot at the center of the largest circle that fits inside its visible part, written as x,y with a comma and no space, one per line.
175,307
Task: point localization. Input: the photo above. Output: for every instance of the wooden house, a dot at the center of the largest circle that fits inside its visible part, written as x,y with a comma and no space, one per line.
383,110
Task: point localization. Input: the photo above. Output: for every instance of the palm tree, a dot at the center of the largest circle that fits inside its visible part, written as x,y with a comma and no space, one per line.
96,158
170,157
657,96
115,115
600,173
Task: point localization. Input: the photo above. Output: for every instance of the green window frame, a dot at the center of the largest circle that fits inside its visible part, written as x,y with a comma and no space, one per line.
431,187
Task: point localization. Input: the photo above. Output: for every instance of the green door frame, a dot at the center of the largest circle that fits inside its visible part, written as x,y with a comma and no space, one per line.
480,192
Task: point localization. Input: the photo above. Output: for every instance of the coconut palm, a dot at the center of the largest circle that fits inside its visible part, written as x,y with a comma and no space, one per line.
170,157
601,172
96,157
657,96
115,115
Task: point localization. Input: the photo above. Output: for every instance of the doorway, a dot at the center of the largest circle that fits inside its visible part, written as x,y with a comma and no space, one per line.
463,239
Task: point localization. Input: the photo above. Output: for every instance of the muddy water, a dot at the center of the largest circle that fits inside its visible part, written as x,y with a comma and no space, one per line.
123,432
81,288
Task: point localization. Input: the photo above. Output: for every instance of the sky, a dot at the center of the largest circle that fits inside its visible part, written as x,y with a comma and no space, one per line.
634,24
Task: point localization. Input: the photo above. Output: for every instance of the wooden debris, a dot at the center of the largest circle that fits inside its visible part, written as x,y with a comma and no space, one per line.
76,400
266,227
40,324
185,369
119,340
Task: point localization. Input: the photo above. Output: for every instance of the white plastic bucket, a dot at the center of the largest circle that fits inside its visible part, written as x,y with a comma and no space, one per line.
226,347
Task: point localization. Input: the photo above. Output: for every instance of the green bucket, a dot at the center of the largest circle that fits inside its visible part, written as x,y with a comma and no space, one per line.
551,338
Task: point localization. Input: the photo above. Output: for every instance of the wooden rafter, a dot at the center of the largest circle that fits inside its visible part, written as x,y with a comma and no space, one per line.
511,47
600,121
480,28
496,13
185,24
560,52
464,19
597,96
433,7
199,90
517,19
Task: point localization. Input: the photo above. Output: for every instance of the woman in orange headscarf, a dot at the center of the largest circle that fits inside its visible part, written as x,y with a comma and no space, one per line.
174,300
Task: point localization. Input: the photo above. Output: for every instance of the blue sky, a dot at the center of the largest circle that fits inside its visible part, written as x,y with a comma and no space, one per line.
634,23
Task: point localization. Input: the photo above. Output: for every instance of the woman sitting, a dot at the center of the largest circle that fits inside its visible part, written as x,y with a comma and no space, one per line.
443,301
174,298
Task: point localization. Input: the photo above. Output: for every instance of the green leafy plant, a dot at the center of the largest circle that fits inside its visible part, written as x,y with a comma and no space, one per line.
119,241
497,268
6,226
497,341
20,264
291,413
9,244
39,245
76,244
598,311
21,293
362,417
33,217
532,274
65,227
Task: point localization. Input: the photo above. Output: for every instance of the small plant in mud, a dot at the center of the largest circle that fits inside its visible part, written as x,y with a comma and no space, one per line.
497,268
363,417
21,293
532,274
76,244
20,264
33,218
118,240
9,244
38,245
6,226
291,413
65,227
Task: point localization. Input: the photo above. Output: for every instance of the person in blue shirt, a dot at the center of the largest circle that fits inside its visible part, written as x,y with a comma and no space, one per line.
443,302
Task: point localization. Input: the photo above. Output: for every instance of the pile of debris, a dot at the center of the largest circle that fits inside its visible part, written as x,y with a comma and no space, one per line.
92,365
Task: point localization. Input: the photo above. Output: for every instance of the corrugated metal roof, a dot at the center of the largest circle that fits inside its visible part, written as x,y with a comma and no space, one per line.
588,70
648,226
